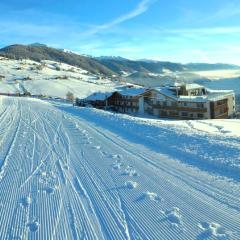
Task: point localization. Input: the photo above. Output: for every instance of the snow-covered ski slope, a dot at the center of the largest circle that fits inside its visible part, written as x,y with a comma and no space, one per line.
75,173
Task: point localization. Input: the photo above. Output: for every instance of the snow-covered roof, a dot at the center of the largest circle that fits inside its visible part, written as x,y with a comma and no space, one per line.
212,95
188,86
215,95
132,91
166,91
193,86
219,91
101,96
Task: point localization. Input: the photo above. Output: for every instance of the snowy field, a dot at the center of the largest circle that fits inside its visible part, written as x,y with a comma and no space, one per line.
49,78
78,173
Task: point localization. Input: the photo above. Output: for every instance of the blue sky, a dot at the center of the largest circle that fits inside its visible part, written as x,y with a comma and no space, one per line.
176,30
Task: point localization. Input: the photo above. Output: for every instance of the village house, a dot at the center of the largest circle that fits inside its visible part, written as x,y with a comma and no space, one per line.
97,100
181,101
126,100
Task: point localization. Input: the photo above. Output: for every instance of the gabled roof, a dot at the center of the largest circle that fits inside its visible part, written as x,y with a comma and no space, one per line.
132,91
211,95
98,96
167,92
192,86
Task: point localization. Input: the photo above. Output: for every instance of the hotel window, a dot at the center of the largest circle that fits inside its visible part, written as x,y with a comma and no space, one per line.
174,104
184,114
200,105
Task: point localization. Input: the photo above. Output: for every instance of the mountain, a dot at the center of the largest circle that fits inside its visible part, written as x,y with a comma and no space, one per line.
210,67
119,65
149,79
42,52
105,65
112,58
37,45
131,66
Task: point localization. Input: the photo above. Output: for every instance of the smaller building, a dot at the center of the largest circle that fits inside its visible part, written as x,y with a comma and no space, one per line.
97,100
128,100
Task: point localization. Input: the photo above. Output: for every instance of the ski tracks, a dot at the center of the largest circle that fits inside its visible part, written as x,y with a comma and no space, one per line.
64,178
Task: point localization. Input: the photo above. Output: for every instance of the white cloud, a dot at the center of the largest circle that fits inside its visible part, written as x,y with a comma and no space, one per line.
140,9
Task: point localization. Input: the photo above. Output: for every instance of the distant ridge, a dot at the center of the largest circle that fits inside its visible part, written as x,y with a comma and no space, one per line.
40,52
106,65
208,66
37,45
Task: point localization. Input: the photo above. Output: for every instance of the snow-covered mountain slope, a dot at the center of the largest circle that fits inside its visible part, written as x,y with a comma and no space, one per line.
49,78
76,173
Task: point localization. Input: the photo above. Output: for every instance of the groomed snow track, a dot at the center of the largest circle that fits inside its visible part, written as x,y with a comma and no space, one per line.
62,177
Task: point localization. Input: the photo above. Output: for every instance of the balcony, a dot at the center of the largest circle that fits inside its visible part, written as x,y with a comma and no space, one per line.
177,108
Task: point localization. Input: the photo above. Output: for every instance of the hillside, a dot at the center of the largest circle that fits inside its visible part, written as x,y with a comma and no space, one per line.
50,78
104,65
210,67
38,52
125,65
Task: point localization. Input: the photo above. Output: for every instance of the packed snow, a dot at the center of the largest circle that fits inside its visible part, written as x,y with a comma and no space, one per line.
82,173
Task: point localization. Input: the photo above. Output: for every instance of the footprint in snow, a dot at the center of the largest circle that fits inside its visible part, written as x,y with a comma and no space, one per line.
174,217
44,174
131,184
49,190
213,230
97,147
33,226
129,171
150,196
87,143
66,166
117,165
25,201
104,153
116,156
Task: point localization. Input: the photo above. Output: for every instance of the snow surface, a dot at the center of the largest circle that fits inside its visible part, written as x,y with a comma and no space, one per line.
54,79
79,173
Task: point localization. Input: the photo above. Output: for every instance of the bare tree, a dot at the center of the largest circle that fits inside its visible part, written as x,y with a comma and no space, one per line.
70,96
